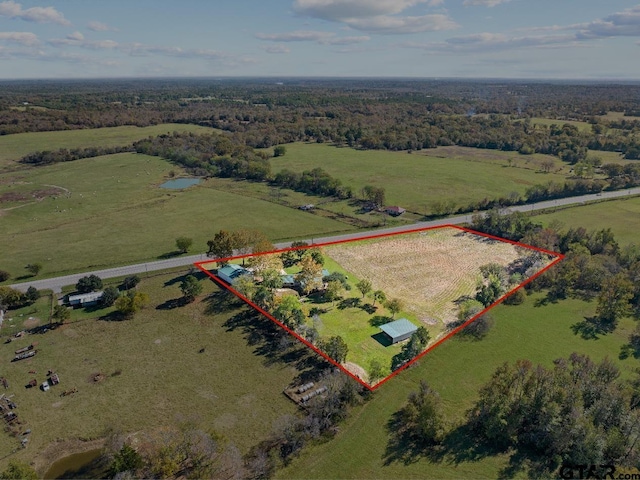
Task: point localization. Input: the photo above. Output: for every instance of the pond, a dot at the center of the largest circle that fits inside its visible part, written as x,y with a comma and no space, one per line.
179,183
89,464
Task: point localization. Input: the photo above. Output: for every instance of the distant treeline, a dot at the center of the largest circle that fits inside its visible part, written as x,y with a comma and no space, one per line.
67,155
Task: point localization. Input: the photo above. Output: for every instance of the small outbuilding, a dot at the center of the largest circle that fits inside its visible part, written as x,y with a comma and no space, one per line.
85,299
399,330
231,272
395,211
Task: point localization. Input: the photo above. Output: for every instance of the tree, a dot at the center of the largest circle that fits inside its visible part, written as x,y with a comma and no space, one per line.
414,347
364,286
130,303
333,291
336,348
380,296
61,313
88,284
34,268
4,275
376,370
183,244
127,459
310,276
19,471
394,306
279,151
190,288
614,298
221,246
422,418
109,297
271,279
245,285
32,294
10,297
130,282
288,311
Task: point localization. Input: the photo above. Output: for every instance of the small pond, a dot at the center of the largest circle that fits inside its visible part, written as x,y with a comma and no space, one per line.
89,464
179,183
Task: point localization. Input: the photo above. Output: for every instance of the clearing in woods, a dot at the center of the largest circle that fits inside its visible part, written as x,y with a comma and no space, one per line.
430,271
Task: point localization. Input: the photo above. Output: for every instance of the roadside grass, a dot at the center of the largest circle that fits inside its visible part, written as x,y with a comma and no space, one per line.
16,146
416,181
456,369
116,214
231,387
622,216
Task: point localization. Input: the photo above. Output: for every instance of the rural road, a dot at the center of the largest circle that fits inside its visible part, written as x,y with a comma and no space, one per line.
56,283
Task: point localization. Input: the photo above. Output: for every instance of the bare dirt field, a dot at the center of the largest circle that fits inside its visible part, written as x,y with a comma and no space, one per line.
429,270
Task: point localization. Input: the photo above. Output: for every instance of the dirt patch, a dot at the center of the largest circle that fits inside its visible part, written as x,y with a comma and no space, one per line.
357,370
428,271
14,197
31,322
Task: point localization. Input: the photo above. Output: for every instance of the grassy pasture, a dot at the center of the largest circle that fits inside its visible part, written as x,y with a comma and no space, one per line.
163,378
14,147
415,181
622,216
116,214
456,369
617,116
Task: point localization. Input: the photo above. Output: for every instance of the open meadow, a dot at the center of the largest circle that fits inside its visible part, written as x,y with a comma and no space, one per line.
16,146
109,210
166,365
535,330
417,180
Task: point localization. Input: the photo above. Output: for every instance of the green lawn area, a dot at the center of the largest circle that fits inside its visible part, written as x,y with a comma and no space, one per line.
415,181
456,369
116,214
163,376
14,147
622,216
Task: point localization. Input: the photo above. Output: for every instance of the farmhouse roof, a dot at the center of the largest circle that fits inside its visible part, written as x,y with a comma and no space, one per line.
232,271
85,297
398,328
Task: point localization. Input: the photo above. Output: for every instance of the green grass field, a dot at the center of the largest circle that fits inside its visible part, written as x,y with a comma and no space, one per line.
415,181
116,214
14,147
622,216
456,369
164,379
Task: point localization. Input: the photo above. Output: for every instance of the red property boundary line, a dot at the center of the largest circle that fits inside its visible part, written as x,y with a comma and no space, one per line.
216,279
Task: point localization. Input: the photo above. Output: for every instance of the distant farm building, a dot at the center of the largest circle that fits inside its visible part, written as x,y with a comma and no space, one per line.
395,211
231,273
85,299
399,330
309,206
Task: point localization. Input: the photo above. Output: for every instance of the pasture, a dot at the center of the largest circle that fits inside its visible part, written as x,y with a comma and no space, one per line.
535,330
16,146
417,180
153,372
622,216
108,210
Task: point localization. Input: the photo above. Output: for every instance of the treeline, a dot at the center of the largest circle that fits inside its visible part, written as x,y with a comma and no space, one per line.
47,157
315,181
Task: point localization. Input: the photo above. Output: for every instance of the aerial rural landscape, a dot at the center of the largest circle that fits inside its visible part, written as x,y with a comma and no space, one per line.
327,240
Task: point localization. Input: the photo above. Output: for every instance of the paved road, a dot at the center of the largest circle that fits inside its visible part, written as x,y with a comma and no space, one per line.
57,283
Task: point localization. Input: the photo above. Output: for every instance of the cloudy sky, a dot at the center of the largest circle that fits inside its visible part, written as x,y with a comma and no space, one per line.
565,39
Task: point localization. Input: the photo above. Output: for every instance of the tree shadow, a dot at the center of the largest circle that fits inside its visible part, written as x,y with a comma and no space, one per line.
379,320
221,301
199,274
383,339
592,327
369,308
172,303
166,256
114,316
351,302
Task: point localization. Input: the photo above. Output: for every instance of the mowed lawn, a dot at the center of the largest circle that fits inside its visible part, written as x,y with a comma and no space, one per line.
164,379
622,216
116,214
16,146
416,181
456,369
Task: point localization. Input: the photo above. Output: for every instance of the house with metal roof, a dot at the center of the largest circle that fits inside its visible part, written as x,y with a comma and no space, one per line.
84,299
231,272
399,330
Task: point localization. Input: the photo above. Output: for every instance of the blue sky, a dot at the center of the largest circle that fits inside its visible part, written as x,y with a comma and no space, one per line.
563,39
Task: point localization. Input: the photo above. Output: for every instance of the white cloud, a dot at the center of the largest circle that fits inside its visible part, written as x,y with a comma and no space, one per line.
625,23
376,16
12,9
484,3
27,39
323,38
277,48
100,27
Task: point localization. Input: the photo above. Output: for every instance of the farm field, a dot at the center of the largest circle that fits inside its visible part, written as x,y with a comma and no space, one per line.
415,181
622,216
108,210
14,147
456,370
429,272
153,352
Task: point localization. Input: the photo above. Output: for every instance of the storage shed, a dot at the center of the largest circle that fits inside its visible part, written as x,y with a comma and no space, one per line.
231,273
399,330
